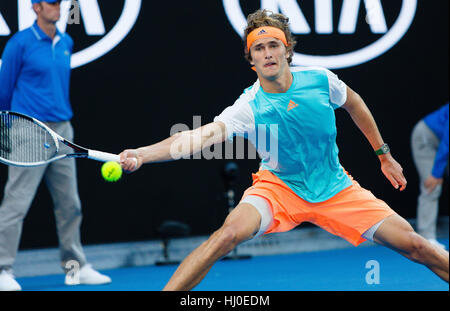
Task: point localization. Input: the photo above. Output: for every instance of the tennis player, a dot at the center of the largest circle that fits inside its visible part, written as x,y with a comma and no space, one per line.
302,180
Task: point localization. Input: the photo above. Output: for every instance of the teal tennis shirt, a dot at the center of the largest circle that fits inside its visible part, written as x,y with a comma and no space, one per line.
295,132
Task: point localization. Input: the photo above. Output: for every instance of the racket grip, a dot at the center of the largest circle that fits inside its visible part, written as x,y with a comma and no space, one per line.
103,156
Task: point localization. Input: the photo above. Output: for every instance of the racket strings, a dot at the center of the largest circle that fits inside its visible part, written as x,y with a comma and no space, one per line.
23,141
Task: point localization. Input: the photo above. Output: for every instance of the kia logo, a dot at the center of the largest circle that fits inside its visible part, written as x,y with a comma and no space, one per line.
91,15
324,26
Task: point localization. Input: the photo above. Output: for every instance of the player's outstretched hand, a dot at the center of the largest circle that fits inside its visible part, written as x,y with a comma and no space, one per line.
394,172
130,160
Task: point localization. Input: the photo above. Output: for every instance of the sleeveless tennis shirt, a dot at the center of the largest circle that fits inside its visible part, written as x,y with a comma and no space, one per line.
295,132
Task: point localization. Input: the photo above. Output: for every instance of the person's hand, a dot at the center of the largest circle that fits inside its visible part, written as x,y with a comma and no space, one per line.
393,171
130,160
431,183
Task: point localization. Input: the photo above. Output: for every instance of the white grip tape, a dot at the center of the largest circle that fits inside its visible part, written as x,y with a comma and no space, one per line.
103,156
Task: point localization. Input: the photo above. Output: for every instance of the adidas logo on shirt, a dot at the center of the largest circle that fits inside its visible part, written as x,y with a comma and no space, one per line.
291,105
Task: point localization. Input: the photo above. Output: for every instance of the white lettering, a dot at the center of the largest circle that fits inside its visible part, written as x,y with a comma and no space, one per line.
349,16
123,26
4,29
373,275
197,139
179,148
74,13
375,16
90,11
347,25
92,18
63,20
93,23
207,153
190,141
269,153
26,14
228,301
324,16
234,301
73,272
291,9
264,302
192,301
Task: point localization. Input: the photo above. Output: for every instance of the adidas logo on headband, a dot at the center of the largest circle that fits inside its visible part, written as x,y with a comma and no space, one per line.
265,31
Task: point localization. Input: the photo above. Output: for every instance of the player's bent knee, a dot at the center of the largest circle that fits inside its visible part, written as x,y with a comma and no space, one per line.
228,238
223,241
418,247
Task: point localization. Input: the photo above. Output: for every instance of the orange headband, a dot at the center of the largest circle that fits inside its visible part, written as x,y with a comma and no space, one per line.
264,32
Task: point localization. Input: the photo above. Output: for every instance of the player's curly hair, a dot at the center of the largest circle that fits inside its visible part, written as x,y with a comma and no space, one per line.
264,17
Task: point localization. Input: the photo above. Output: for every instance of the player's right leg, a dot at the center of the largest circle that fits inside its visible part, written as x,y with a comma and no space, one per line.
240,225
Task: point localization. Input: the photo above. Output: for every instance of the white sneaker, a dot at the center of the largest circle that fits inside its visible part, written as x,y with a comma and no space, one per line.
7,281
436,242
87,275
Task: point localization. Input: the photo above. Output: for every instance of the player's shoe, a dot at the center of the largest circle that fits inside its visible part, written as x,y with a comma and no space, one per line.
436,242
7,281
88,276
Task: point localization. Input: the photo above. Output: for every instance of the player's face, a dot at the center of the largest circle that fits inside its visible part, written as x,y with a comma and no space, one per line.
269,56
50,12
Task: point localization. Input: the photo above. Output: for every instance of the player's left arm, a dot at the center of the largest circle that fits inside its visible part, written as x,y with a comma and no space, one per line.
363,118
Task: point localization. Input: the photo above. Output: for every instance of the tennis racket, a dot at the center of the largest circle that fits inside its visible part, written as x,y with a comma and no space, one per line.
25,141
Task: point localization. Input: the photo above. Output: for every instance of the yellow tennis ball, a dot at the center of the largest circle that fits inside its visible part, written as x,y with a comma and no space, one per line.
111,171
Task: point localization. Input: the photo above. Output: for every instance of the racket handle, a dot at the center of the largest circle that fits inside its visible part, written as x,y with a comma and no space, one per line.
103,156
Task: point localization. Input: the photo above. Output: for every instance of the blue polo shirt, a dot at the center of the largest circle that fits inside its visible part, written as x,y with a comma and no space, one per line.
437,121
35,75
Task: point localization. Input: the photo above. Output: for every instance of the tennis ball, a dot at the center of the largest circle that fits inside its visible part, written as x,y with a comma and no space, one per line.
111,171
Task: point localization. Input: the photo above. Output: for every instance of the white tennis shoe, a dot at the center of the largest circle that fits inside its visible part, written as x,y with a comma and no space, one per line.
8,282
88,276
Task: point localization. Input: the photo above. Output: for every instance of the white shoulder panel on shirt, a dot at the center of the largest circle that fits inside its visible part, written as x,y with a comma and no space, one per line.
337,88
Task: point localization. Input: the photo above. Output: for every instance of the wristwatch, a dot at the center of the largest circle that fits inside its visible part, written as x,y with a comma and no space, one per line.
383,150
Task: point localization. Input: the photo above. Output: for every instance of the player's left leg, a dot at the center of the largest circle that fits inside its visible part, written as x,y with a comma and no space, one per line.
397,234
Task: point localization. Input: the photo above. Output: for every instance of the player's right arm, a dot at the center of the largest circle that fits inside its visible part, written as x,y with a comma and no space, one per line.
177,146
237,119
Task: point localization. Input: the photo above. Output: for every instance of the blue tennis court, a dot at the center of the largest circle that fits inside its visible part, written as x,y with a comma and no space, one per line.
328,270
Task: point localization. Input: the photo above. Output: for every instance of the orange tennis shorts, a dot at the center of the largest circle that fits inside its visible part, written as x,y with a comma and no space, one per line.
348,214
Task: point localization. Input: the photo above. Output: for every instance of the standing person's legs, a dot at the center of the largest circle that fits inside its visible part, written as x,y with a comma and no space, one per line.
19,192
61,180
397,234
424,147
240,225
